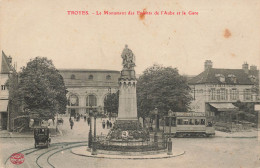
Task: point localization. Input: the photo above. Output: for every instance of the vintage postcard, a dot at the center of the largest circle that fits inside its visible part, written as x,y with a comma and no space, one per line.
145,84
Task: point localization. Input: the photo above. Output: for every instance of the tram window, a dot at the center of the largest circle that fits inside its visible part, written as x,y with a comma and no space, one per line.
202,121
185,122
173,122
191,122
179,121
197,122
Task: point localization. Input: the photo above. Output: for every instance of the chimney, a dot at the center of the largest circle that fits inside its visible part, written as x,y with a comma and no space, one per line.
245,67
253,67
207,64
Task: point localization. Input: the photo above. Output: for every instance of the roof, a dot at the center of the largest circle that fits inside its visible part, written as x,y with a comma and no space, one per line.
224,106
6,67
209,77
88,70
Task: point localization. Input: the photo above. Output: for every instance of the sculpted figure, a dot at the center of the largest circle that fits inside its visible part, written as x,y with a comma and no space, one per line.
128,58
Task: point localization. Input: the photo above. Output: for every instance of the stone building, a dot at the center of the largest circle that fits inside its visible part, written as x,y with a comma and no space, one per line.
218,89
88,88
6,69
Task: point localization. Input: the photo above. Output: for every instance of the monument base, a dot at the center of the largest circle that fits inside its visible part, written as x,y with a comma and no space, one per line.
128,130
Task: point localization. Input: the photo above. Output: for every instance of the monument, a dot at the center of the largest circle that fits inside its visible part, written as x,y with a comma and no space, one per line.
127,126
127,87
127,134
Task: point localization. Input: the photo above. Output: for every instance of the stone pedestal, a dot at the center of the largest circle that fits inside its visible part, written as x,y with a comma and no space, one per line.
127,97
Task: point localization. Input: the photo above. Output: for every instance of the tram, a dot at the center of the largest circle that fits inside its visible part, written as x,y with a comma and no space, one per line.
188,124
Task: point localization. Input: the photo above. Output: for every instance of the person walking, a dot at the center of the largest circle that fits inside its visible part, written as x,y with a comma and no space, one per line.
88,120
71,124
107,124
103,124
110,124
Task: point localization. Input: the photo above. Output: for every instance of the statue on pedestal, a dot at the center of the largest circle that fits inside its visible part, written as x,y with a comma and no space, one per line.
128,58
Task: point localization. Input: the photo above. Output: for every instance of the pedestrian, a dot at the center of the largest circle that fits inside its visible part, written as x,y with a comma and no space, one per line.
53,120
71,124
88,120
107,124
103,124
110,124
85,118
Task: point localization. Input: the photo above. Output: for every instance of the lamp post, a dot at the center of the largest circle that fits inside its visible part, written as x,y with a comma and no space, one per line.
170,113
155,134
90,130
94,143
109,91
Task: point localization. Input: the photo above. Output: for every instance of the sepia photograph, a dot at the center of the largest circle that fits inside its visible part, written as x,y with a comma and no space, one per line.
144,84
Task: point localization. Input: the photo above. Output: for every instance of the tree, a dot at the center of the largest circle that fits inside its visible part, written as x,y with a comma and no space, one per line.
111,103
42,88
163,88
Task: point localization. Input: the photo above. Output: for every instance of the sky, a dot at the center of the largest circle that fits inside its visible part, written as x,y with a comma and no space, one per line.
225,32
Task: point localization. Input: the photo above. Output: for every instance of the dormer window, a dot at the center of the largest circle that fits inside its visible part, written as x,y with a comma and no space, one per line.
90,77
220,77
72,76
108,77
232,78
252,78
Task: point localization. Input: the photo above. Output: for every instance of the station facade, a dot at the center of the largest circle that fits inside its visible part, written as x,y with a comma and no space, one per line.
87,89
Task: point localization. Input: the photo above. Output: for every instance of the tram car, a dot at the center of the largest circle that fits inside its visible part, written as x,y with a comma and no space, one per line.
188,124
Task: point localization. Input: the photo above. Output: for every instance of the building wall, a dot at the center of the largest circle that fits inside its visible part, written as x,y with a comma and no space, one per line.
202,93
3,91
83,85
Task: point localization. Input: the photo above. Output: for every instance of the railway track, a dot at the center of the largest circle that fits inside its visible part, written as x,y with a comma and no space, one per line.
45,154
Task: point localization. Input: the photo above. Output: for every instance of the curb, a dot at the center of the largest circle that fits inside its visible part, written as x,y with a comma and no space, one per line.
129,158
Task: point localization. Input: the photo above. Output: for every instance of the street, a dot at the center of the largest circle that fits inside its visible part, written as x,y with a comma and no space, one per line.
199,152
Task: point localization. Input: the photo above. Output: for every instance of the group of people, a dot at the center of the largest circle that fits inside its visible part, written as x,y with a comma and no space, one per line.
108,123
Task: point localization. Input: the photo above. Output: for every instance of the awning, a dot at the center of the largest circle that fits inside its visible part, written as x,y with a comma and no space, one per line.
224,106
3,105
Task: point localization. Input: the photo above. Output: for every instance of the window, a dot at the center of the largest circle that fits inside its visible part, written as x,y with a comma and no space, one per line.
234,94
223,94
2,87
247,94
212,94
73,100
232,78
218,94
220,77
91,100
90,77
252,78
72,76
108,77
202,121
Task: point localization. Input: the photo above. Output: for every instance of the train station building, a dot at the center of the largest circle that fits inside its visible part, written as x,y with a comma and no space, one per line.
87,88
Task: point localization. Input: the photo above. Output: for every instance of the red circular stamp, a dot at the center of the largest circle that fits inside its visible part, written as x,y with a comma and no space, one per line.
17,158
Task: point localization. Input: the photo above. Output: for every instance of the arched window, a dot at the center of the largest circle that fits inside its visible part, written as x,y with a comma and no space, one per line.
91,100
73,100
108,77
72,76
90,77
